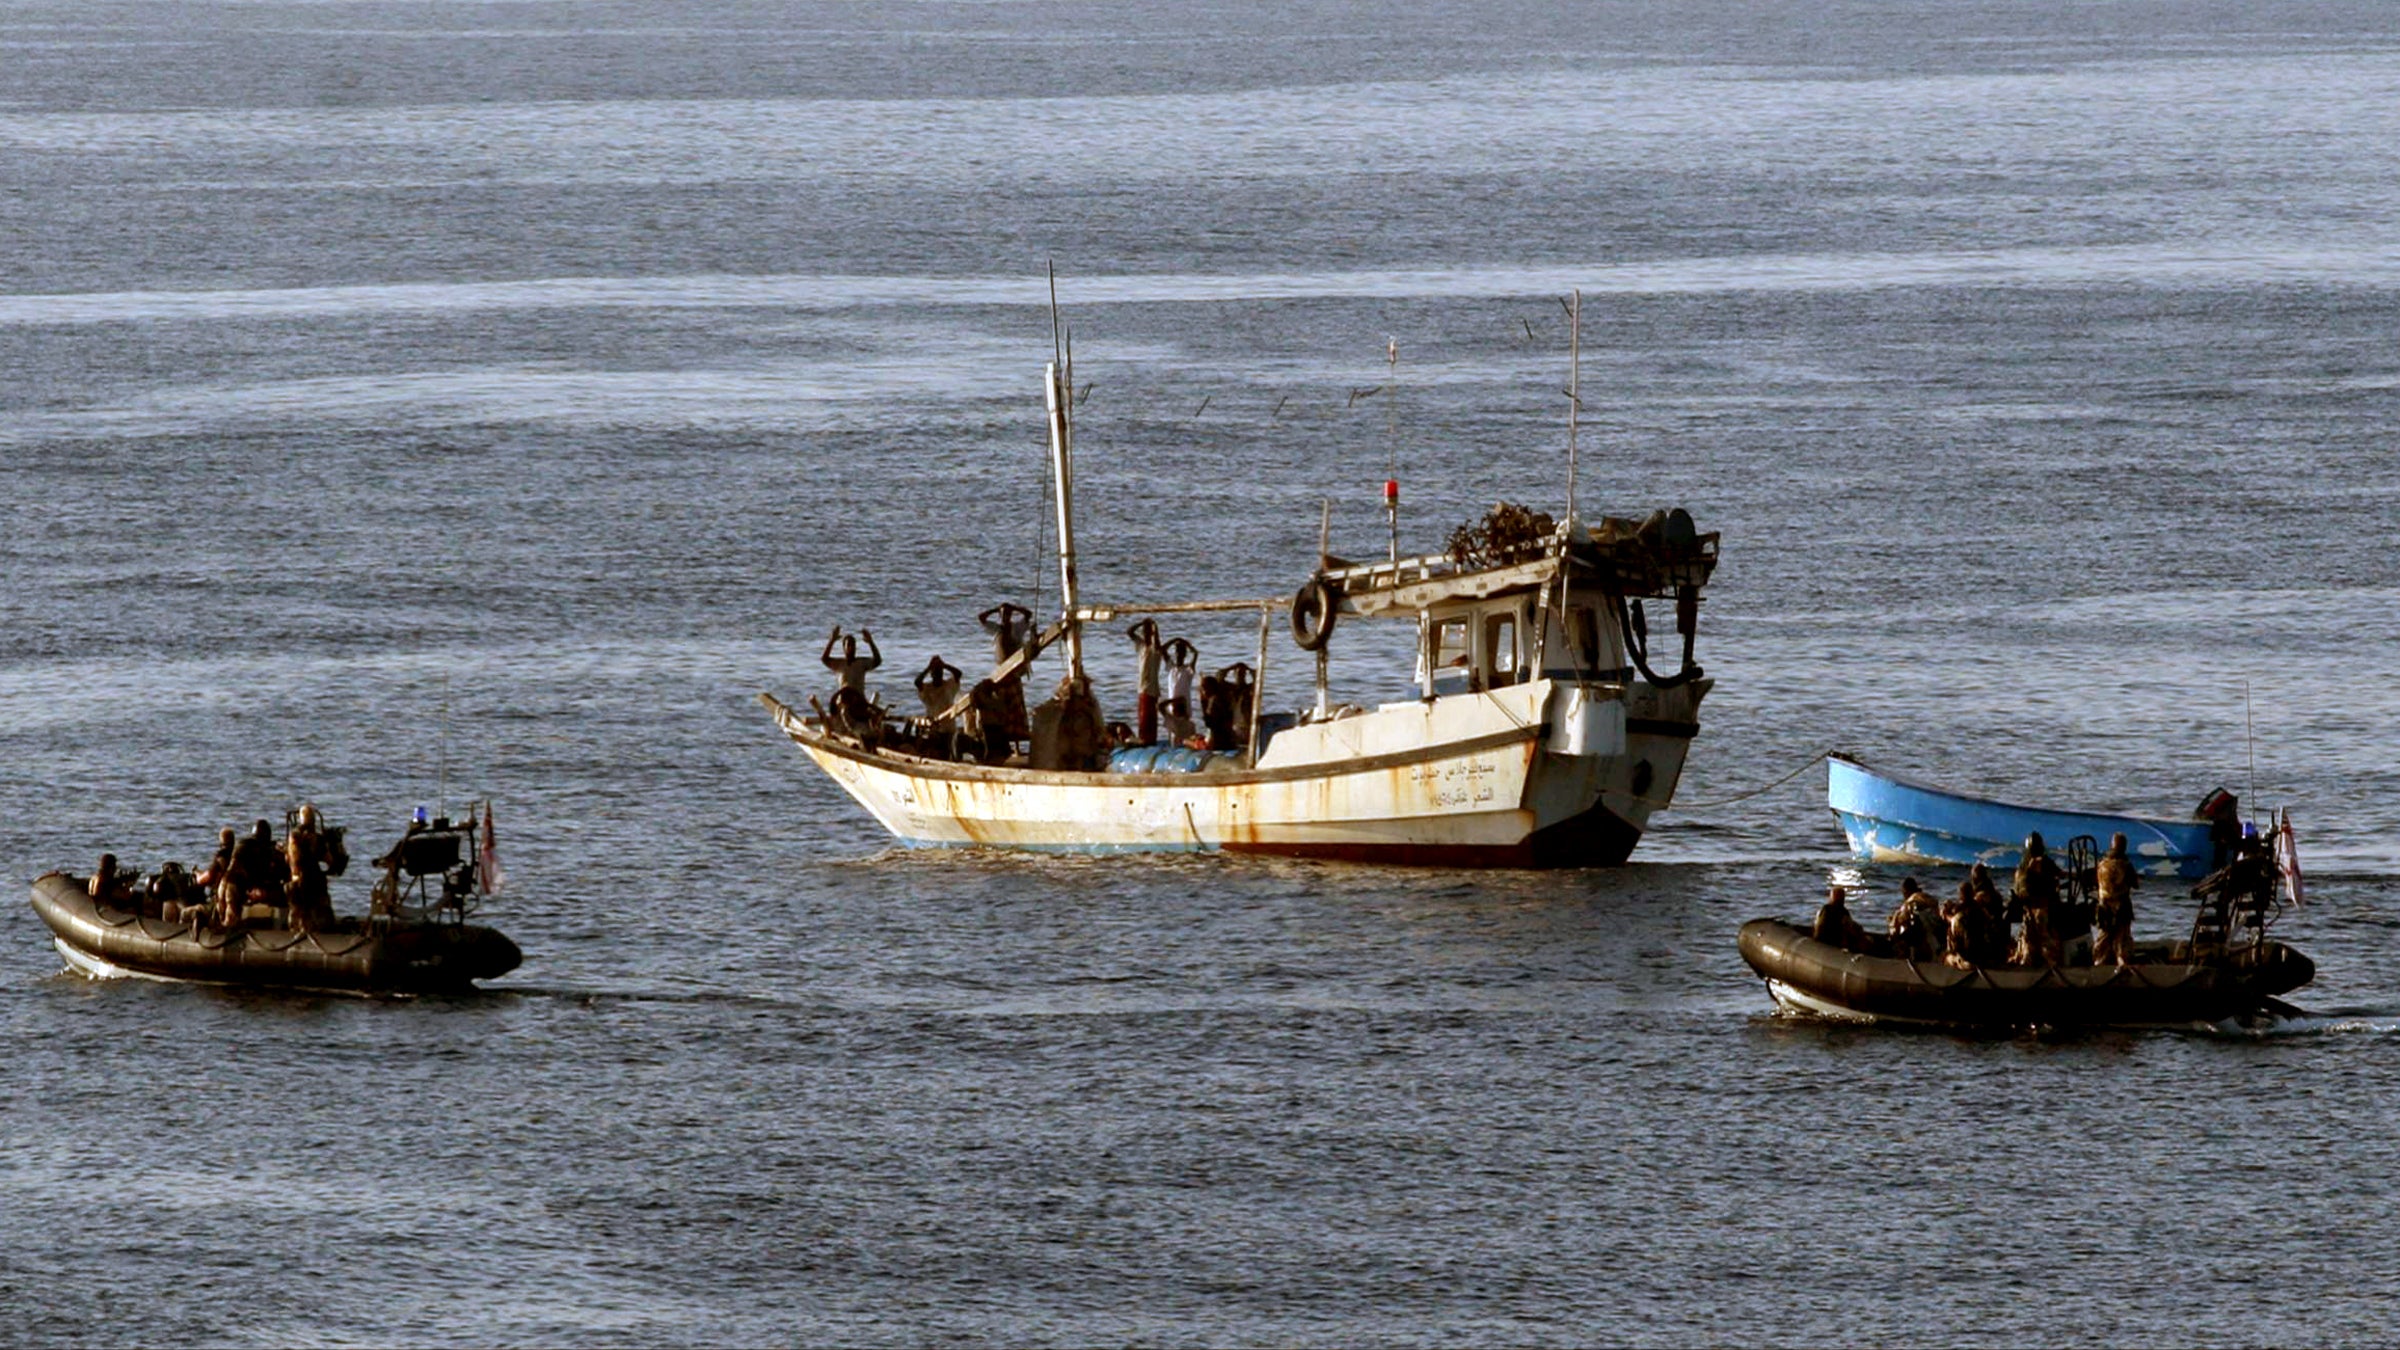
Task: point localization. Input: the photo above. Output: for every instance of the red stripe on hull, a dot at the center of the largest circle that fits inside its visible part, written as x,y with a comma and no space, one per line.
1597,838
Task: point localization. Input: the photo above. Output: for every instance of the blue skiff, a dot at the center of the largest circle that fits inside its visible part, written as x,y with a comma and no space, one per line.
1892,820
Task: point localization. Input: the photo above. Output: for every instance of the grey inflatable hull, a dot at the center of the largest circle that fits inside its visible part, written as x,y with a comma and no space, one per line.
2158,990
402,958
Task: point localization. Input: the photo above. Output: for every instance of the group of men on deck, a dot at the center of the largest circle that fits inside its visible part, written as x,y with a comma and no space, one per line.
2038,924
1174,704
289,879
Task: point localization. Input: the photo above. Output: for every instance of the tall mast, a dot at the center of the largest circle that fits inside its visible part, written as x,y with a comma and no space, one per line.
1062,472
1059,394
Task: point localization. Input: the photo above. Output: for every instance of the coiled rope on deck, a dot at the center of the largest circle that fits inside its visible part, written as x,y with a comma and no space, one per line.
1805,765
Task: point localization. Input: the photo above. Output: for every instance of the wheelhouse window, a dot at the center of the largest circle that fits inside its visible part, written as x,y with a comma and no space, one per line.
1453,661
1500,650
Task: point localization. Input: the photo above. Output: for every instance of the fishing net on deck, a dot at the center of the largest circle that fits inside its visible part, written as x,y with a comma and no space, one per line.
1507,533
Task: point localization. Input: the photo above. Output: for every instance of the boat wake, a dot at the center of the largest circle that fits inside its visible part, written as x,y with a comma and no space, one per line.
2286,1020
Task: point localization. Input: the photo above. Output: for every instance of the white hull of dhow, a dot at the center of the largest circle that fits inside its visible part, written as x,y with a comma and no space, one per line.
1547,773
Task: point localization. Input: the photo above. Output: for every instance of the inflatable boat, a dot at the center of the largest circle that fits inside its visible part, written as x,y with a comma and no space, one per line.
382,956
2163,987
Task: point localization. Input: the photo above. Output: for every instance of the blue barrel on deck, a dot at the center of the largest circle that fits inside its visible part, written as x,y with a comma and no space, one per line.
1158,759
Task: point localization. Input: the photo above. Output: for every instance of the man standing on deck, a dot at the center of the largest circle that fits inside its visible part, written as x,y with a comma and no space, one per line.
212,878
983,731
1216,712
312,853
1148,657
2113,913
1183,665
2036,893
937,686
849,667
1011,627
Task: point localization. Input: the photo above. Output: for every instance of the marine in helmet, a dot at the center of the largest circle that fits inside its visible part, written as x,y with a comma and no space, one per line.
2035,895
1916,926
1962,930
171,890
1989,921
311,854
255,874
2112,915
1987,892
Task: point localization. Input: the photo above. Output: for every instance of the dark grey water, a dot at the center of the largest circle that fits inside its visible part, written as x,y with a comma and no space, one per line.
557,374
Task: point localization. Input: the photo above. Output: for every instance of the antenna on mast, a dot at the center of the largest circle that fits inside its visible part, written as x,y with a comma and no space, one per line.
2250,735
1574,392
1391,441
441,774
1057,336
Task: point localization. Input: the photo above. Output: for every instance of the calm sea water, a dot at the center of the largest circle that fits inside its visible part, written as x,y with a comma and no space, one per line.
410,401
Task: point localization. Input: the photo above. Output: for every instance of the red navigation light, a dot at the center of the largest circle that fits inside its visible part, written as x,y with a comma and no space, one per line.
1391,491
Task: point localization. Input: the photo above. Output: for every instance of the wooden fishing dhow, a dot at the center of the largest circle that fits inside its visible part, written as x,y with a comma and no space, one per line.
1541,734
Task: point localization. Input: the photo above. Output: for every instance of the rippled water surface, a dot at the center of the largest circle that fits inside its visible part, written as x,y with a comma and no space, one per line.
413,400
